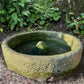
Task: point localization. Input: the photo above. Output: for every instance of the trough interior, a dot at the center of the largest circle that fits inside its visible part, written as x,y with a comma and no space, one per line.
57,43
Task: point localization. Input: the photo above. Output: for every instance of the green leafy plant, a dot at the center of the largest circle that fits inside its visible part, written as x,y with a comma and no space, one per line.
15,14
43,14
75,23
29,28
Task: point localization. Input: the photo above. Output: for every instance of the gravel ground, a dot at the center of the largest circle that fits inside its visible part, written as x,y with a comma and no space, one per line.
9,77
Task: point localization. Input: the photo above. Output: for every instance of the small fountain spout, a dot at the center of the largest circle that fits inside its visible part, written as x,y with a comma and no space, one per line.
40,49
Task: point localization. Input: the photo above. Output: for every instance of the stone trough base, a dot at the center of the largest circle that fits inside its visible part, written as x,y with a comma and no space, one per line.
42,67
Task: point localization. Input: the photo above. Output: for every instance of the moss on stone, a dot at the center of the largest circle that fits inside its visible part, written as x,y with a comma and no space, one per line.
41,76
41,49
41,45
41,67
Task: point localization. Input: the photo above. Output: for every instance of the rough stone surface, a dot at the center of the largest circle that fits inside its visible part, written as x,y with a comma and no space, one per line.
41,68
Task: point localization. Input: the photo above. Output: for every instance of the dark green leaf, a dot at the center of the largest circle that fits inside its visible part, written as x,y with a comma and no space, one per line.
76,31
15,5
21,22
82,15
82,32
14,16
14,0
71,13
11,10
71,25
42,22
21,4
82,21
57,9
25,23
22,1
2,11
81,26
56,18
79,18
28,0
68,22
12,26
26,13
8,17
17,29
2,19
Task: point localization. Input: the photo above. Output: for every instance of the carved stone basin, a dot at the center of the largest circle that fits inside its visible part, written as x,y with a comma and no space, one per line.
62,57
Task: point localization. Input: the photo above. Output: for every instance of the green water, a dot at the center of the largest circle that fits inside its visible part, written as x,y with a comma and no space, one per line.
55,47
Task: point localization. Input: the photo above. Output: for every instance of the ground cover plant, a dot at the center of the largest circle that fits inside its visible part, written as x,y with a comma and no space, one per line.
75,23
20,13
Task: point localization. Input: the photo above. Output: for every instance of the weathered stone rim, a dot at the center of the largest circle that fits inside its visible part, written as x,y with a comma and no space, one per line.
58,55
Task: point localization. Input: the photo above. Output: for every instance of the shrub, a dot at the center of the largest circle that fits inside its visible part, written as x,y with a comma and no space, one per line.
75,23
14,13
18,13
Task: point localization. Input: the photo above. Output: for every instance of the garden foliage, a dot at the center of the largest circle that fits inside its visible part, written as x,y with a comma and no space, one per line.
75,23
15,14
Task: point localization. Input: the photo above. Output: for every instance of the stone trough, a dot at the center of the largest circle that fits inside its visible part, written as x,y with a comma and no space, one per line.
61,58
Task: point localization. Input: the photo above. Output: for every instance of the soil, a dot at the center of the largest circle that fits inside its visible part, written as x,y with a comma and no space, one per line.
9,77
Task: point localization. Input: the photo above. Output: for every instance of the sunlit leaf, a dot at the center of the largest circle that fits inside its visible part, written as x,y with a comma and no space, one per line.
71,13
22,1
1,29
26,13
28,0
